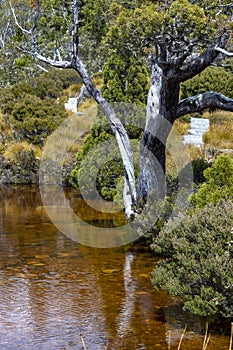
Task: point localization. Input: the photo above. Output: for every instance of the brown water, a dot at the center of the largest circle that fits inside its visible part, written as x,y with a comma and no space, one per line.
54,293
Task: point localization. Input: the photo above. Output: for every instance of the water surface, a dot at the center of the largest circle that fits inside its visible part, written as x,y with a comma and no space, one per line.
55,292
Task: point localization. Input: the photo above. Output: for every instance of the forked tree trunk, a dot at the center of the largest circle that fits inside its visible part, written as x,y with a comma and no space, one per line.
162,105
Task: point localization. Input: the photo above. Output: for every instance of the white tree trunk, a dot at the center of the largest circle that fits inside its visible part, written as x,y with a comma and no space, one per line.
159,122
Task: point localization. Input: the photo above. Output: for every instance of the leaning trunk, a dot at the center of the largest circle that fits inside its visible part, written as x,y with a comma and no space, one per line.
162,105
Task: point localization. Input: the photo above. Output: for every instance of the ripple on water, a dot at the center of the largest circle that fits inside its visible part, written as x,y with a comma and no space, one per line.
54,291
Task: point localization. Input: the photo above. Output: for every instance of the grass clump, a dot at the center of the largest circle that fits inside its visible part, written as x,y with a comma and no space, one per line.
182,126
220,134
16,150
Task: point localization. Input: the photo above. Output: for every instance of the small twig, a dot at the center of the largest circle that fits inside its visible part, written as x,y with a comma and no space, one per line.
206,344
42,68
181,338
230,346
83,342
25,31
169,340
206,334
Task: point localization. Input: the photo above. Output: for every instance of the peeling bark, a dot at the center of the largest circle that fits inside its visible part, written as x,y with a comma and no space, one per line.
161,108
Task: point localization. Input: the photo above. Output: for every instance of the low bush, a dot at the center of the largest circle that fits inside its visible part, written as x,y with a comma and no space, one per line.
198,264
218,183
90,155
32,109
212,79
199,261
34,119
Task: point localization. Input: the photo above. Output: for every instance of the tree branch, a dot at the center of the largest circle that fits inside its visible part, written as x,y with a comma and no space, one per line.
75,38
224,52
25,31
199,103
119,132
201,62
53,63
219,6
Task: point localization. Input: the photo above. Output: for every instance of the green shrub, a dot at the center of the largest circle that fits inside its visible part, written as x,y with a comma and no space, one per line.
32,109
219,183
199,264
107,177
125,80
34,119
212,79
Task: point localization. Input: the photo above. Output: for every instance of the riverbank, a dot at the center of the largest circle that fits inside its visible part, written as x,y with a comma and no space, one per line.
20,161
25,170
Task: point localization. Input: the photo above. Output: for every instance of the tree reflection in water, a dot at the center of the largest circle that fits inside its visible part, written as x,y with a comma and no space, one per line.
53,290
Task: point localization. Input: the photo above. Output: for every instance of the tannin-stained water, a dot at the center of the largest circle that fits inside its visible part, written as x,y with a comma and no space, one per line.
57,294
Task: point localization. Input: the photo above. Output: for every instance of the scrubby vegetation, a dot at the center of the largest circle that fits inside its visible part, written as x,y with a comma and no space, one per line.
212,79
99,144
199,261
218,184
198,264
30,111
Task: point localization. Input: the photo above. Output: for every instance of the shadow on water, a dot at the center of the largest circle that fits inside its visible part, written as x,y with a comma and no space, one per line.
54,291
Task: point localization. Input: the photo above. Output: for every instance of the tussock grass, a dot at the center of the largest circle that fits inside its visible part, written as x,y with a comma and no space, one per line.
181,126
98,81
74,90
13,151
89,102
195,152
219,136
219,117
63,134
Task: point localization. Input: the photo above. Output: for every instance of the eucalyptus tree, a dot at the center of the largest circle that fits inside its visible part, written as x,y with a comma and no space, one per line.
181,38
15,65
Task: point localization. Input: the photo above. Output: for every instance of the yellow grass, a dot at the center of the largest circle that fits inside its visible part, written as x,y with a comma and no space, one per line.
195,152
13,150
181,127
89,102
219,136
219,117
